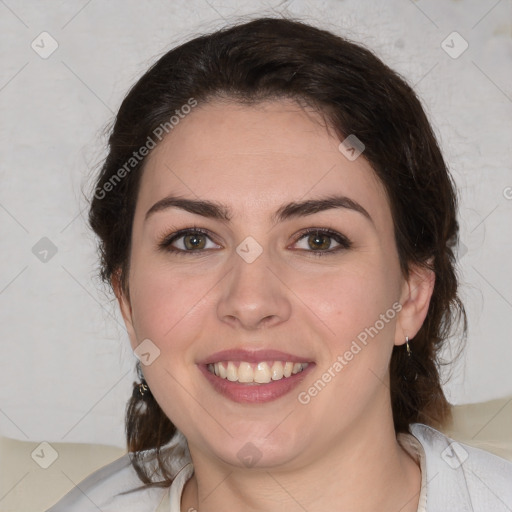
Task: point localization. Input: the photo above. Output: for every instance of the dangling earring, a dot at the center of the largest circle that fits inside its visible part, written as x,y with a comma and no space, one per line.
143,388
141,391
411,365
407,346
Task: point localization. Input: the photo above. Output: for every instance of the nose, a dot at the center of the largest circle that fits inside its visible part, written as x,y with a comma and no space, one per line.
253,297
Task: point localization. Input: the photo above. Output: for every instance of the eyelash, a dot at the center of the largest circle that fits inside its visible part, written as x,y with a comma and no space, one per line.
166,243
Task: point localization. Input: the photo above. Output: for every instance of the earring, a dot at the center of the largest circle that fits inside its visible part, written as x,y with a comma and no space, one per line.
143,388
407,346
141,391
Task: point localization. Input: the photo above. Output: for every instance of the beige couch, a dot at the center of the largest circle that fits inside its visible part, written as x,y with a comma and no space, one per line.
25,486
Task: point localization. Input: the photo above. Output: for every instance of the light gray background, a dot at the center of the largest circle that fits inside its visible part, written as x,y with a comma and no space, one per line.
66,367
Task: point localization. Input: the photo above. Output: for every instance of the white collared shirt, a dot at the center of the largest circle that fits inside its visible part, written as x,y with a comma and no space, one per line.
455,477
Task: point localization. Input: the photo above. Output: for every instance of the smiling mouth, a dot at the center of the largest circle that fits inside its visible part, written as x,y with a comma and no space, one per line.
255,373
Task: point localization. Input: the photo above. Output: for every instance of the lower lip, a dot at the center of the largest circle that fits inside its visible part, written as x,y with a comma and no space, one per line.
255,393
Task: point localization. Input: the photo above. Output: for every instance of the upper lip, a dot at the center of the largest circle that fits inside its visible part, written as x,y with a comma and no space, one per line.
252,356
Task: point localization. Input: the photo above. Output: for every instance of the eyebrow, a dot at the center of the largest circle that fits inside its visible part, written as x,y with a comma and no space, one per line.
219,211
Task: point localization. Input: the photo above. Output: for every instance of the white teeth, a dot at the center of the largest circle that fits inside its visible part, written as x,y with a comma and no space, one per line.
277,371
297,367
260,373
231,372
245,373
222,371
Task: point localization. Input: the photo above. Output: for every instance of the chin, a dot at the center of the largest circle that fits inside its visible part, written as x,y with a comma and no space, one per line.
259,451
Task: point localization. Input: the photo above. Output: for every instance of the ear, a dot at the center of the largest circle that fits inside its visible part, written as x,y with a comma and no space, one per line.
415,300
123,300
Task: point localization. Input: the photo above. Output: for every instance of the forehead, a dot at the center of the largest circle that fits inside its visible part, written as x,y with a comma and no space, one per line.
256,157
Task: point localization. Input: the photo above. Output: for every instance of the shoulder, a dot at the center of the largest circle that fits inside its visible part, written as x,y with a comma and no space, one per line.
113,487
461,477
103,490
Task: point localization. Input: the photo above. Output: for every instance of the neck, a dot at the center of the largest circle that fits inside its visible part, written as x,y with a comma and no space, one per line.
364,469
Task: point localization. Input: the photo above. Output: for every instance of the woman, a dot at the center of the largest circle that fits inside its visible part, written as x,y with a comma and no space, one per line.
277,223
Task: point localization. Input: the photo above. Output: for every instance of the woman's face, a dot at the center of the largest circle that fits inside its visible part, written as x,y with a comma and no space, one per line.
253,285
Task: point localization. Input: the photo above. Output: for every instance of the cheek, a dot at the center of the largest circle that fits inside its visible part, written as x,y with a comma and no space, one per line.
166,300
169,309
351,298
359,305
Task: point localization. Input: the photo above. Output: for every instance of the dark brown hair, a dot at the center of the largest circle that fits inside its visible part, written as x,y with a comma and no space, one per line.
357,94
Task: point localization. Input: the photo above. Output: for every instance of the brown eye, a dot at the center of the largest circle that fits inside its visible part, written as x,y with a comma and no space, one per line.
320,241
188,241
194,241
